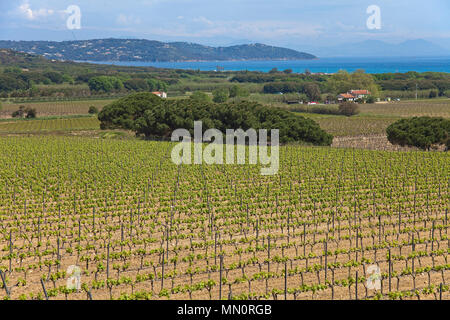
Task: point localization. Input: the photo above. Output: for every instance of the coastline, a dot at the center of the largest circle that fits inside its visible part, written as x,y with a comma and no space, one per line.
371,65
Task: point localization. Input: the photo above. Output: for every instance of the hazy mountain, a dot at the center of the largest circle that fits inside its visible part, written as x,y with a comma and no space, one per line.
374,48
147,50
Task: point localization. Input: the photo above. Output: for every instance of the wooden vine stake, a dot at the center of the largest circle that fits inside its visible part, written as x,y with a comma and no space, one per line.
43,288
268,254
220,277
107,262
2,275
389,270
10,251
326,260
285,280
162,272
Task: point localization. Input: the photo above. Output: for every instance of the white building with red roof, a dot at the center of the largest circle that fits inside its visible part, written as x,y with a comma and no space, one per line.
353,95
160,94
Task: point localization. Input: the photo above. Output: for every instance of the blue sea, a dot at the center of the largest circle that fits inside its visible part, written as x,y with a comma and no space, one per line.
327,65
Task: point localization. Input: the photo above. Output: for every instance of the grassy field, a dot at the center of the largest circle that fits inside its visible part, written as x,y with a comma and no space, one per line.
140,227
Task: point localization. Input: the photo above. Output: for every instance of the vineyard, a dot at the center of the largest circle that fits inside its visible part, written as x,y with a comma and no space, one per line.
49,125
57,108
431,108
141,227
375,118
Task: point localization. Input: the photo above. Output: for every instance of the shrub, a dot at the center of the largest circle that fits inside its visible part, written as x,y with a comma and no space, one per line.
370,99
348,108
93,110
433,94
26,112
316,109
19,113
30,113
420,132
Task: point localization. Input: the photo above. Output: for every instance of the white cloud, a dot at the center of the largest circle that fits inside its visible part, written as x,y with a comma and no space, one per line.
25,11
203,20
260,29
127,19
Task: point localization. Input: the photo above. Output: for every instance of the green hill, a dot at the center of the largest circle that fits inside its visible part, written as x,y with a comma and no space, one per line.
147,50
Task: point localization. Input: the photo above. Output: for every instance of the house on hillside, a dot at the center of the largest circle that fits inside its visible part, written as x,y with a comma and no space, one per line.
160,94
353,95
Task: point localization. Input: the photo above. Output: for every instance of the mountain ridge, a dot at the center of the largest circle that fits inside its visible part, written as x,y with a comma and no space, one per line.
373,48
112,49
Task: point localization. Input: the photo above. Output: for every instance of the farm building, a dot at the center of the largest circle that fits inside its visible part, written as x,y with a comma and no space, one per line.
353,95
160,94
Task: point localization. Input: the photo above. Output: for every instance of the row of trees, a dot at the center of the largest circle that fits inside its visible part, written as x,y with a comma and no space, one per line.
343,81
15,80
339,82
332,85
310,89
108,84
148,115
221,95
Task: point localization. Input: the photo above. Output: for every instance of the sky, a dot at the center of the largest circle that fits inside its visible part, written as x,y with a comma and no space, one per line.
296,24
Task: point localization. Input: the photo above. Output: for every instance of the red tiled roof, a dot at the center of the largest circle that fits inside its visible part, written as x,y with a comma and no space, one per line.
346,95
360,91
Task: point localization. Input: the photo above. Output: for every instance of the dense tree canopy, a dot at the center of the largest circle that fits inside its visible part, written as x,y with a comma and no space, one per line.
105,84
237,91
220,95
200,96
136,85
312,91
54,77
149,115
343,81
420,132
283,87
10,82
124,112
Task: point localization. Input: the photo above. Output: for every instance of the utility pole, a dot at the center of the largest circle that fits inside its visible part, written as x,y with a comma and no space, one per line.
417,87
